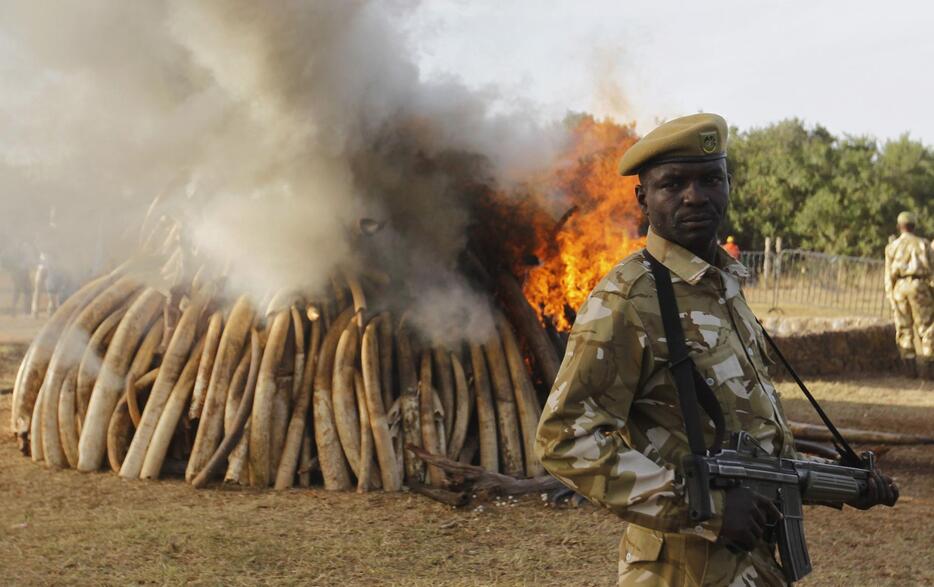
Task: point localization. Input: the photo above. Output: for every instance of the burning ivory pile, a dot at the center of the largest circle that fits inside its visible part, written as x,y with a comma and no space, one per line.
149,382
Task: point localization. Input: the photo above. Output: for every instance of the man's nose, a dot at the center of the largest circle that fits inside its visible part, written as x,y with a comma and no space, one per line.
693,195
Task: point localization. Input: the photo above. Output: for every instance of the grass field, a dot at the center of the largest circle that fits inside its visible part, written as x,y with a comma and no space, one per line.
66,528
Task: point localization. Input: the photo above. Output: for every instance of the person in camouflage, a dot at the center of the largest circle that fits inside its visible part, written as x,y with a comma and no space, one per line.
909,271
612,429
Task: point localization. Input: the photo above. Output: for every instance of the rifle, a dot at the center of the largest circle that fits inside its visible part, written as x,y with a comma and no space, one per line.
788,483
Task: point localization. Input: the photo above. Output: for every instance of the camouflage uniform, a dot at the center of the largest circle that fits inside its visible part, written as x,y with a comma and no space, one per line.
612,428
909,268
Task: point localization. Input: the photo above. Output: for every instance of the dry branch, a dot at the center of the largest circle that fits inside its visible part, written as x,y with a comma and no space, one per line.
474,478
816,448
820,433
445,496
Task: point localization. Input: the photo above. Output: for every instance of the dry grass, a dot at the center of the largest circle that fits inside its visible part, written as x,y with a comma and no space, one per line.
73,529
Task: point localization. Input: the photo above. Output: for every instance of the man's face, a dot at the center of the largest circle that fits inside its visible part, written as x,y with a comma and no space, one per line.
685,202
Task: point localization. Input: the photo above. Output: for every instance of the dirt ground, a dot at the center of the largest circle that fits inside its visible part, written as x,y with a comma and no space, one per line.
66,528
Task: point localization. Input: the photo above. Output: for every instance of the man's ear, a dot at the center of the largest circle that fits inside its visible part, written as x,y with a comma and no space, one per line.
640,197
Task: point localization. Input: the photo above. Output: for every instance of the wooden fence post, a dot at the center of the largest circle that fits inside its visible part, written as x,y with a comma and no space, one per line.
777,268
767,263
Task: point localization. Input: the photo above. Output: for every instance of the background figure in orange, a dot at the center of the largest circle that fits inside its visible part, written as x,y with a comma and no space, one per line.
731,248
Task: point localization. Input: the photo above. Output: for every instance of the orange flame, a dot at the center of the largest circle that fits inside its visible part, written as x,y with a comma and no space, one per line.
600,228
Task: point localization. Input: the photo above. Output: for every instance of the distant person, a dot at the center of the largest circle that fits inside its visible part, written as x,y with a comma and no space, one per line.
909,269
731,248
50,277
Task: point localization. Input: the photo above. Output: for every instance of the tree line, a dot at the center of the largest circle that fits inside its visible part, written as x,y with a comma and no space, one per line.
821,192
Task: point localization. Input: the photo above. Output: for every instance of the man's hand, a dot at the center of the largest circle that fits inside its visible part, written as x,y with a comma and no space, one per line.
746,518
882,490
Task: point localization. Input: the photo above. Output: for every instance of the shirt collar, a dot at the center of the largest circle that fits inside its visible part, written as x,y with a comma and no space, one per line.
688,266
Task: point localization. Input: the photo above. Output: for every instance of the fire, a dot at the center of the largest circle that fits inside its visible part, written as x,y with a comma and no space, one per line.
600,227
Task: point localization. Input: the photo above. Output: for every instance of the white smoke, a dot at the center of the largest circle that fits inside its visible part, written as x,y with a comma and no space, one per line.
269,128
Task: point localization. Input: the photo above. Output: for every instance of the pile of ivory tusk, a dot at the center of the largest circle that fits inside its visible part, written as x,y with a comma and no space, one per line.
148,382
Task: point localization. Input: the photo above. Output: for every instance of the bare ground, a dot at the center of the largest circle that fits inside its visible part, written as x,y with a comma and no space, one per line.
66,528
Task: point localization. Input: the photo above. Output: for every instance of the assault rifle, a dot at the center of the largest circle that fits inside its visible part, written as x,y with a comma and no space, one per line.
788,483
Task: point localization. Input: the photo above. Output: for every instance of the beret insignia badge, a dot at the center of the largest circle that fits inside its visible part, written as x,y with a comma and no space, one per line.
710,142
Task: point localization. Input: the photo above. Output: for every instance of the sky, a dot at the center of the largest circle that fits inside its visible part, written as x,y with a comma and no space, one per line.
855,67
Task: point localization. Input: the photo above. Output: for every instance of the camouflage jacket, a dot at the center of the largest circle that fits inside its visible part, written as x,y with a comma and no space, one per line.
612,428
908,256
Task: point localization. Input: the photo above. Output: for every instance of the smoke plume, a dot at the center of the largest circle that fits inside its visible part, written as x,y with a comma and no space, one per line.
268,129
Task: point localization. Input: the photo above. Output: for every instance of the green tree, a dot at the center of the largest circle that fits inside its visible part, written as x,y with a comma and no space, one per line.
824,193
774,172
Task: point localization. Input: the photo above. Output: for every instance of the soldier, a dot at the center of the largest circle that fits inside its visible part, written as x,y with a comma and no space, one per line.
612,429
909,269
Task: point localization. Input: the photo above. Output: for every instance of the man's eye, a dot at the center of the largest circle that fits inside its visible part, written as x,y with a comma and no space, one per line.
670,184
713,180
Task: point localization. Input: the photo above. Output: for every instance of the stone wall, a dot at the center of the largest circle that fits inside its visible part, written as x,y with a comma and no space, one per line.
868,349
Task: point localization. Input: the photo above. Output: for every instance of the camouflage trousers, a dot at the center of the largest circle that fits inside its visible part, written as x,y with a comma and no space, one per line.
649,558
913,308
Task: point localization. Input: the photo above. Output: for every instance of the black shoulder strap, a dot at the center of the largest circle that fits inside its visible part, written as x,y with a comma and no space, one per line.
692,389
843,447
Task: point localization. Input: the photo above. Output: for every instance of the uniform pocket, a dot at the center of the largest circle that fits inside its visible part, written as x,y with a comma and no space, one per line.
640,544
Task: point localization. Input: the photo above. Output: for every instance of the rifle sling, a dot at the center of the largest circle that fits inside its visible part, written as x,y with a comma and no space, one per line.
692,389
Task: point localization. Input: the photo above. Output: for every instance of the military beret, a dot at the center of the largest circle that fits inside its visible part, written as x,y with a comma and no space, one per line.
906,217
698,137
